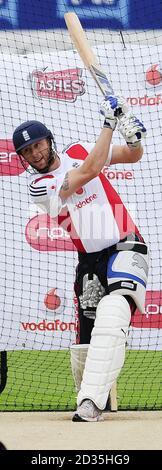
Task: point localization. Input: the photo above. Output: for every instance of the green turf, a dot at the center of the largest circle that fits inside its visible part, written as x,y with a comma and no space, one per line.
140,382
41,380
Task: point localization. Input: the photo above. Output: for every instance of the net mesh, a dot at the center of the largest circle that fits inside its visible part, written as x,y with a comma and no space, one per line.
43,78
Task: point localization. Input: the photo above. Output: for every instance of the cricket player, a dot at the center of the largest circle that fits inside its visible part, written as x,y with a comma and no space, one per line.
112,272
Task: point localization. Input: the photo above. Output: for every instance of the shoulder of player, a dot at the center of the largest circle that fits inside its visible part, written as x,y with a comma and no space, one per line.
39,180
78,150
40,185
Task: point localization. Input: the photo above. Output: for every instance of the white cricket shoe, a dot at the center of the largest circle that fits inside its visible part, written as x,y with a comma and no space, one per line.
87,411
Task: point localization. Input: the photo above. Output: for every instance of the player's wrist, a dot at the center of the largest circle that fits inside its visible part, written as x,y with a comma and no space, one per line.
134,145
111,108
133,131
110,123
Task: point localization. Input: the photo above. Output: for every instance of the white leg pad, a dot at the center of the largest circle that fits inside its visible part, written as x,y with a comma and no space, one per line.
78,358
106,352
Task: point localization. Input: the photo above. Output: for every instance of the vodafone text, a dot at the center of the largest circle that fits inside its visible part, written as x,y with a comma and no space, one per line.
56,325
145,100
117,174
86,201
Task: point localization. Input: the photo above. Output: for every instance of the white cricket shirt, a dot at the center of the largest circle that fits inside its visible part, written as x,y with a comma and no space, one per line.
94,216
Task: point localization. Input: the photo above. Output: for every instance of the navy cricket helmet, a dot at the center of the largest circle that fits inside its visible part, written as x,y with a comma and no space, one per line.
28,133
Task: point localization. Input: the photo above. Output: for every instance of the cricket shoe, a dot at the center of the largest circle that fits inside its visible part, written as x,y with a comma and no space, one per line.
87,411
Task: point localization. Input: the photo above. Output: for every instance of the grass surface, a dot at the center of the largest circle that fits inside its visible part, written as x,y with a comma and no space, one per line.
42,380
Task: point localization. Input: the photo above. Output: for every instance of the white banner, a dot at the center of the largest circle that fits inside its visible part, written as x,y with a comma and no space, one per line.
37,258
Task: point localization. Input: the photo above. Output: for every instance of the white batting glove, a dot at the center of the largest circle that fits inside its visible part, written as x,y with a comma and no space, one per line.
111,108
132,129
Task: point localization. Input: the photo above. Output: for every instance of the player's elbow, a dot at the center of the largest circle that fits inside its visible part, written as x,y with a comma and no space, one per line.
90,174
95,172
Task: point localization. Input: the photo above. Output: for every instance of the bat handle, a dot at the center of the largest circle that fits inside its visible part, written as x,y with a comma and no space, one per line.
118,112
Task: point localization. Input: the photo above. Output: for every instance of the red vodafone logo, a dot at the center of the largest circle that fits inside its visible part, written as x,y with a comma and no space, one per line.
52,301
152,318
80,191
10,164
153,75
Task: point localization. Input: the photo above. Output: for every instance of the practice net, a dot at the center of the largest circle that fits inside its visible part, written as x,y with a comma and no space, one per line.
43,78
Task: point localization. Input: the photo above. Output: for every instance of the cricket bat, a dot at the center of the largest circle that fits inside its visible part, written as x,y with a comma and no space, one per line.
87,55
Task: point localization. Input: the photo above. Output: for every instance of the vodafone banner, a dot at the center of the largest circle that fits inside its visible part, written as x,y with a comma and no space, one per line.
37,258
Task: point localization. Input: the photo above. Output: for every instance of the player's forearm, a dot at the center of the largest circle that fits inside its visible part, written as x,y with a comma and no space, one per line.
123,154
135,153
97,158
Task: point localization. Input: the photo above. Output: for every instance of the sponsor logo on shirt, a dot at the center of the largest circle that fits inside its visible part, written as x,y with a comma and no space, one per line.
154,75
86,201
75,165
79,191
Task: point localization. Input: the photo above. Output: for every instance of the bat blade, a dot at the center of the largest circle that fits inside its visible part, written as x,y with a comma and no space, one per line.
101,80
87,55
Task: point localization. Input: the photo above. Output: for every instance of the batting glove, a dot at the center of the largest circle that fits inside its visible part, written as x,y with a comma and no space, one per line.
132,129
111,108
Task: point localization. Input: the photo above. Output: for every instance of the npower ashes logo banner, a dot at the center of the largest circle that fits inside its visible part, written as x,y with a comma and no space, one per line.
10,164
152,317
64,85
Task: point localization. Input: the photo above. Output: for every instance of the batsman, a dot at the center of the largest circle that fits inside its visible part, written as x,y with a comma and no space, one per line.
112,268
